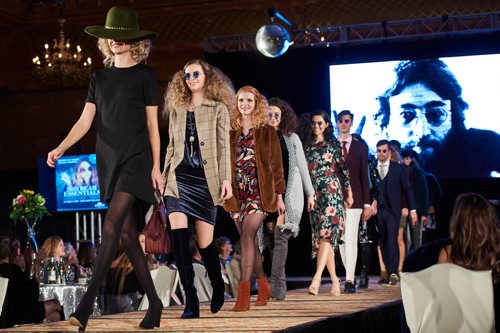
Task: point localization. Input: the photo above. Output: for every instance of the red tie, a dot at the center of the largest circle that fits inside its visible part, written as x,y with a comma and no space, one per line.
344,149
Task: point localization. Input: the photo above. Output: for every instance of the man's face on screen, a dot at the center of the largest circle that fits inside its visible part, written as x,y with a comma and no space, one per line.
419,118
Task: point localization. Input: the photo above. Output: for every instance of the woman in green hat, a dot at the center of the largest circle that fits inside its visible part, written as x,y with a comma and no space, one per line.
122,98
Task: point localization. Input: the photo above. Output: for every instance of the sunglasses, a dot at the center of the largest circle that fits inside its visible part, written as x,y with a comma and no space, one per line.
194,75
318,123
274,115
435,115
382,151
345,121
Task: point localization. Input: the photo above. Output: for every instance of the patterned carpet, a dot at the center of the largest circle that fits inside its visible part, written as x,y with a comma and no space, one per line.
298,309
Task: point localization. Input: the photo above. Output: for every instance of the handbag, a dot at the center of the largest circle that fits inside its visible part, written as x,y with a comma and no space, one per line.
156,233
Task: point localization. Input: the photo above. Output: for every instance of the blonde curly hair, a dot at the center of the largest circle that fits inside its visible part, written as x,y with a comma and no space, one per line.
139,51
218,87
259,115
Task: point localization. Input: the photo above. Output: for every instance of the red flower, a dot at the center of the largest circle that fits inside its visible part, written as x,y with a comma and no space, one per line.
21,199
330,211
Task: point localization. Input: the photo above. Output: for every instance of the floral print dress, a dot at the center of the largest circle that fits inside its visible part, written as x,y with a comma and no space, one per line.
246,177
328,175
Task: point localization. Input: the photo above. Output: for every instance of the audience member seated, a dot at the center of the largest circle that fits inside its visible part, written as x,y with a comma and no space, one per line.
52,247
71,263
123,290
474,243
15,254
224,248
86,258
475,240
21,303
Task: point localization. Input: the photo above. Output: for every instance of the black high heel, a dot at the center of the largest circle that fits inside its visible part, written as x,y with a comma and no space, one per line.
153,317
80,323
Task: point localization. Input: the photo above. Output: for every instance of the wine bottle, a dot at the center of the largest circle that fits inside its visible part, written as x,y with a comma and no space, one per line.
61,271
32,267
51,272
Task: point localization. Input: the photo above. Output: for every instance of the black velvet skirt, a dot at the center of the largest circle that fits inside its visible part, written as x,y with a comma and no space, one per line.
194,197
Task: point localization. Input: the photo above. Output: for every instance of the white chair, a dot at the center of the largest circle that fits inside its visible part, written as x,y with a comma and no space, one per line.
165,280
232,280
448,298
202,283
4,282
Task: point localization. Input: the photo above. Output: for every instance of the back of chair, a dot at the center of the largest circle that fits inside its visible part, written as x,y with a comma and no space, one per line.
202,283
4,282
165,280
232,280
448,298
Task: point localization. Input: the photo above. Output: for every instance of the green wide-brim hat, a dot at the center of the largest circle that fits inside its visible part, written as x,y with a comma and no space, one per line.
121,24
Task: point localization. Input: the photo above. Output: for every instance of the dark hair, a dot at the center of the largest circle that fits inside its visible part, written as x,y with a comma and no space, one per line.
436,76
4,247
328,134
84,253
304,129
220,242
475,235
345,113
289,121
384,142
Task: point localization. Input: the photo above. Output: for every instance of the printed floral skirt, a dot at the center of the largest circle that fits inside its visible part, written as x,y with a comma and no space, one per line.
246,178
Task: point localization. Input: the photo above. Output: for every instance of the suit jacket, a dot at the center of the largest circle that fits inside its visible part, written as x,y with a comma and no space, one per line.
418,183
269,167
357,164
212,126
397,179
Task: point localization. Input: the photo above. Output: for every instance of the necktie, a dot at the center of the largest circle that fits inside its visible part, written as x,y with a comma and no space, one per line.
382,171
344,149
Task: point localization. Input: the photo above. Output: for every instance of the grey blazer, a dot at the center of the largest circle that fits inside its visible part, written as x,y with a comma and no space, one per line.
212,125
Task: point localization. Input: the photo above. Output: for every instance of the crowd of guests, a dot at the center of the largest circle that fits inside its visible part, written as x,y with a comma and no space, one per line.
251,155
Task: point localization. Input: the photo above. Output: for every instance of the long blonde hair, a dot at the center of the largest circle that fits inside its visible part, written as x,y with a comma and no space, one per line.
218,87
139,51
259,115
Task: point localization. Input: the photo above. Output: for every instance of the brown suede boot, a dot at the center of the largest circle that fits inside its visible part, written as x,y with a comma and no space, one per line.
243,300
264,291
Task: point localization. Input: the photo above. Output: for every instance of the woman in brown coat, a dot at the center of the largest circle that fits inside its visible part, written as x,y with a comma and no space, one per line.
257,183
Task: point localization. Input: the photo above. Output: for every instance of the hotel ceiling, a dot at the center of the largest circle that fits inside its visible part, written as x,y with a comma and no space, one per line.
183,24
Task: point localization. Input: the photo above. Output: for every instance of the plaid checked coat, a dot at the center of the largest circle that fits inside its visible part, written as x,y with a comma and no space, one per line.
212,126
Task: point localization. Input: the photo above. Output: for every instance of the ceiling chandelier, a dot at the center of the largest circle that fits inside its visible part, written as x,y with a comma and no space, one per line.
62,66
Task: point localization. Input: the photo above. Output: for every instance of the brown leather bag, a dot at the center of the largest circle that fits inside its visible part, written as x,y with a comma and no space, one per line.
156,230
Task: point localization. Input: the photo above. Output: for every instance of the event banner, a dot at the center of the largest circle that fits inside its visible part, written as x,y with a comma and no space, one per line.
77,184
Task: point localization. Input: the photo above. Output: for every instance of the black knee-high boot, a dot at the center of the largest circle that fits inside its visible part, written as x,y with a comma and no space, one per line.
212,265
180,238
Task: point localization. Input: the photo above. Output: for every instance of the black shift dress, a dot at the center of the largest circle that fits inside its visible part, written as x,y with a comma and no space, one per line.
124,160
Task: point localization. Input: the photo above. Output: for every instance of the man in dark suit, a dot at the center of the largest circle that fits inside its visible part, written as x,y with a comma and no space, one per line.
418,183
393,179
355,155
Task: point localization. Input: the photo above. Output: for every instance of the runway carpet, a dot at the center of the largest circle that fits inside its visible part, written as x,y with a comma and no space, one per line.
300,310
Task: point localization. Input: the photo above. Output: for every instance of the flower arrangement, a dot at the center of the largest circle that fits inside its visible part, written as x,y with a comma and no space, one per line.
28,205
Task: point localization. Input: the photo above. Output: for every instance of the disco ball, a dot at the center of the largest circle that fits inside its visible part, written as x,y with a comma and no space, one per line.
272,40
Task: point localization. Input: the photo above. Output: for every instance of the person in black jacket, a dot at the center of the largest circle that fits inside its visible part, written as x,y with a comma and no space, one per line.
21,303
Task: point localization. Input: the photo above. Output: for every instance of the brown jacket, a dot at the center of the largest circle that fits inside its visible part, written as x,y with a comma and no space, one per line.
269,168
212,126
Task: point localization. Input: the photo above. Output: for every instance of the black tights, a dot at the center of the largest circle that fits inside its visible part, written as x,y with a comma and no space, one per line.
250,253
119,224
